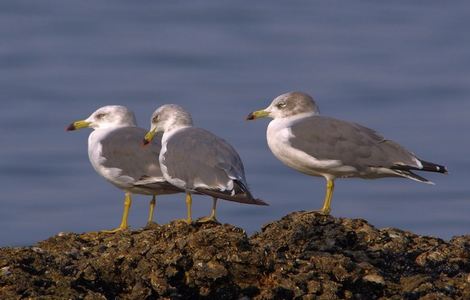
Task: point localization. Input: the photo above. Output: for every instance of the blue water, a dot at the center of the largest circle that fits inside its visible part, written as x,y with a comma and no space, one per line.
402,68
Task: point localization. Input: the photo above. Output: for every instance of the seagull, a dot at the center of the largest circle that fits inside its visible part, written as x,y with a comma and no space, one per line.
115,152
197,161
322,146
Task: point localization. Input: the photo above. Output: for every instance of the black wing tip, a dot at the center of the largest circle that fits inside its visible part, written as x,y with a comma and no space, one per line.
432,167
426,166
444,171
260,202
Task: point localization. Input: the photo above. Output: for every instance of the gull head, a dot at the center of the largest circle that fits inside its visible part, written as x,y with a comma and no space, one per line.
166,118
287,105
106,117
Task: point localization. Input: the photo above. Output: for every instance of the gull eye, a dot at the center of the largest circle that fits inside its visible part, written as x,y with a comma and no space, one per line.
281,105
100,116
155,119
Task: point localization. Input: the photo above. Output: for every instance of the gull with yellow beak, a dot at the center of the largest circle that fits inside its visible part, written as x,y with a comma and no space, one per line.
322,146
116,153
197,161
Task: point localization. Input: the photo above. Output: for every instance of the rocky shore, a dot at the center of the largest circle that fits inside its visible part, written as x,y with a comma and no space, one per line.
302,256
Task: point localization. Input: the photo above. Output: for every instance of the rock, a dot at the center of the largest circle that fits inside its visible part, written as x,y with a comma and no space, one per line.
304,255
374,278
5,271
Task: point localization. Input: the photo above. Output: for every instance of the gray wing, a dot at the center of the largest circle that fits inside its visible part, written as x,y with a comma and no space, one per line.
207,164
352,144
122,149
198,156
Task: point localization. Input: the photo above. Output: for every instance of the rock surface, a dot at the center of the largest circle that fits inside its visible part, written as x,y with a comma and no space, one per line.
302,256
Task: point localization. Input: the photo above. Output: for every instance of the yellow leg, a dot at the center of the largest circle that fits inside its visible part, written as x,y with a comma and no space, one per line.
189,202
151,210
330,186
212,217
125,215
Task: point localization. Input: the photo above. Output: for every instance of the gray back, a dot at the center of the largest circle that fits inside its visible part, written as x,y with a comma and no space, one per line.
353,144
196,155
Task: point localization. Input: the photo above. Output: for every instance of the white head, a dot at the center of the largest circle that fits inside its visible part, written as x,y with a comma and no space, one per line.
287,105
166,118
107,117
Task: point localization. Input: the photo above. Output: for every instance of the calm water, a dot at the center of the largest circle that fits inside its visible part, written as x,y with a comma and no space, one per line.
402,68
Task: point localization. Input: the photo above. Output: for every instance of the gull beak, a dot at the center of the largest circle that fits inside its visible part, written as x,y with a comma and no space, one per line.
149,136
78,125
257,114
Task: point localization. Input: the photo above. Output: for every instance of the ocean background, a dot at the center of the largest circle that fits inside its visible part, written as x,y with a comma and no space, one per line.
401,67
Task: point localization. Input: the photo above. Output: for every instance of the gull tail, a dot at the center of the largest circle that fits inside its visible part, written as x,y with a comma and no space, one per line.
156,184
410,175
242,194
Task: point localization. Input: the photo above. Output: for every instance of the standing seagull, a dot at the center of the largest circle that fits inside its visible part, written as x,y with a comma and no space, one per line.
197,161
322,146
115,152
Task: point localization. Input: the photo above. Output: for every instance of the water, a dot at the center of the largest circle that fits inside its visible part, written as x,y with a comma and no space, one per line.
402,68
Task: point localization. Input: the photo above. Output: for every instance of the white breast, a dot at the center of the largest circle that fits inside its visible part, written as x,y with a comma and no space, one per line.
113,175
174,181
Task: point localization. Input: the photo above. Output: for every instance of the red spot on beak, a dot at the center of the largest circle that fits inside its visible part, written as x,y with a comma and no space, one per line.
71,127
